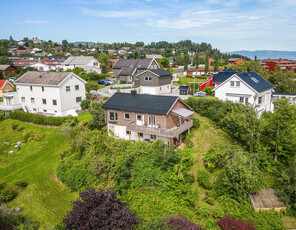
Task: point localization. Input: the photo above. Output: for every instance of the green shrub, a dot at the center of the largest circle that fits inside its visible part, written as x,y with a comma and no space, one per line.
210,200
14,125
203,210
155,224
20,183
2,117
6,193
37,118
196,123
216,157
203,178
32,135
218,212
85,104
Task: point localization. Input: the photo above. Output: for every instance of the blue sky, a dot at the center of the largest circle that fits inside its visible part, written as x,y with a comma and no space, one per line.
228,25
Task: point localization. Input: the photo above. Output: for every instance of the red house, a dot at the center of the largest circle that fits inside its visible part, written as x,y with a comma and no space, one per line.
235,61
271,65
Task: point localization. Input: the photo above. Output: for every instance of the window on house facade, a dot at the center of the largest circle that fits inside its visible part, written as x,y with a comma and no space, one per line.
67,88
231,83
78,99
42,89
259,100
54,102
246,100
44,110
153,137
140,134
23,99
148,78
44,101
31,88
241,100
151,120
76,87
237,83
113,116
126,116
32,100
128,132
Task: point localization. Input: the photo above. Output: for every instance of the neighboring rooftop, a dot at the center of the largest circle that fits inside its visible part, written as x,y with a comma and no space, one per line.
42,78
4,67
133,63
223,75
160,72
78,60
144,103
2,83
266,199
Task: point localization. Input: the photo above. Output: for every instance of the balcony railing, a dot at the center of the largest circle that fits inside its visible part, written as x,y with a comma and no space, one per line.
173,132
4,107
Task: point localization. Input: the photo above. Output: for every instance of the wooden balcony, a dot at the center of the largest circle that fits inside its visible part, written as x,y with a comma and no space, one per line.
171,133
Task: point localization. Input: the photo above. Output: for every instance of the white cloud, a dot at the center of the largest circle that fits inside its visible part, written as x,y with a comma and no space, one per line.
31,22
136,13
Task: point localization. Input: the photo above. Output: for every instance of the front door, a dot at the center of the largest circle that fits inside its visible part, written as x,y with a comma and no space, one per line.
139,119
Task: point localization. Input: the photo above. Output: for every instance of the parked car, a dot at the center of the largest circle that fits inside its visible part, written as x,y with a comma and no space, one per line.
105,82
200,94
11,79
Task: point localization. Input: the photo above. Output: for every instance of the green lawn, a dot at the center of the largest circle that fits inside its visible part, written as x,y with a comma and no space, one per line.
45,199
84,116
185,80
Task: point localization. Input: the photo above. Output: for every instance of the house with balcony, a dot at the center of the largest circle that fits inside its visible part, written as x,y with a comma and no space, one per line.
50,93
246,88
147,117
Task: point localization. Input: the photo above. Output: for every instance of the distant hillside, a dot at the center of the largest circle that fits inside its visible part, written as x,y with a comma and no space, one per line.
264,54
84,43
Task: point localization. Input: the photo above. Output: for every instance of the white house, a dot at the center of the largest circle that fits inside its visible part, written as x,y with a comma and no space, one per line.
42,67
88,63
51,93
247,88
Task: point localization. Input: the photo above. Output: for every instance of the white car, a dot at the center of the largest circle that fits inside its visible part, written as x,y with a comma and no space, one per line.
11,79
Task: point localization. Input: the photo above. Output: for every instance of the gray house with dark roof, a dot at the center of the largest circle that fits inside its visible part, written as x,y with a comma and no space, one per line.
147,117
155,81
126,70
246,88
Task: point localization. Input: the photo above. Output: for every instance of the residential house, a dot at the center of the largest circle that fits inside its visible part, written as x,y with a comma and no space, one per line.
155,81
291,97
7,69
285,64
184,90
222,76
235,61
42,67
147,117
126,70
27,61
88,63
155,56
247,88
51,93
5,86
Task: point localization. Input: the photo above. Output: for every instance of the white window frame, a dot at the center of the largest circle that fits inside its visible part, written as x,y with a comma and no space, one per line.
32,100
68,87
43,101
153,120
79,100
23,99
237,83
76,87
115,115
260,100
241,100
55,101
232,82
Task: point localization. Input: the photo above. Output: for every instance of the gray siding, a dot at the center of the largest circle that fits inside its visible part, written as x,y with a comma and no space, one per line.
156,81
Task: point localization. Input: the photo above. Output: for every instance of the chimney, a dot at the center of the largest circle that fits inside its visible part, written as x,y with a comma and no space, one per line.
40,76
248,70
134,92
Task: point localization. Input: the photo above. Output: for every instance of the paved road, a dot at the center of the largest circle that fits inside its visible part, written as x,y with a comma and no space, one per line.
105,91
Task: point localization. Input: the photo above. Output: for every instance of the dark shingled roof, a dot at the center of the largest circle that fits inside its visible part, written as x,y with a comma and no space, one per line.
183,87
42,78
223,75
160,72
143,103
139,63
254,80
126,71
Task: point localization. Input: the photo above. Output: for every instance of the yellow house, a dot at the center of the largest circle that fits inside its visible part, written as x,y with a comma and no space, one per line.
4,86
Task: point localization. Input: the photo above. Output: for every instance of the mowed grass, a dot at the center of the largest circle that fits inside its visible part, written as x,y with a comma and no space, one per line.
84,116
45,199
186,80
